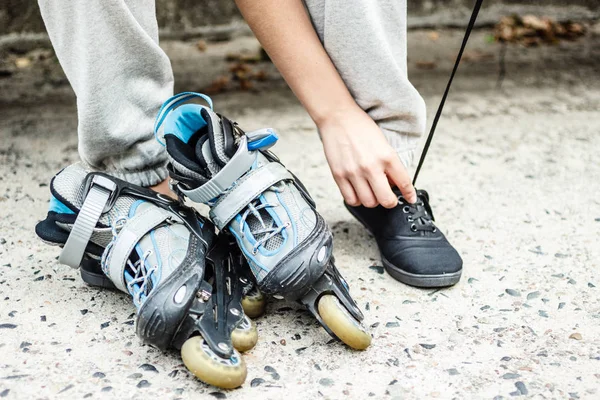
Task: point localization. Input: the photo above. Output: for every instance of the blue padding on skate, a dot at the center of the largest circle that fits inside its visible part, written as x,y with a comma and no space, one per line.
171,104
265,141
58,207
184,121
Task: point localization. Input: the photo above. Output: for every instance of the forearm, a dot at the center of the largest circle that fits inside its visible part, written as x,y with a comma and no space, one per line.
286,33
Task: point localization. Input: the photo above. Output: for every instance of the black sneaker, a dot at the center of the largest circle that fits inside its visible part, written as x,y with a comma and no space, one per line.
413,250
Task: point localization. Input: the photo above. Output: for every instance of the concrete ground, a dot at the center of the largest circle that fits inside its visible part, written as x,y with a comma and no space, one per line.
514,179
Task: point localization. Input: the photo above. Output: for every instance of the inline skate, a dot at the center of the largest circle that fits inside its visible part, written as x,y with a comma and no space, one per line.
184,281
286,243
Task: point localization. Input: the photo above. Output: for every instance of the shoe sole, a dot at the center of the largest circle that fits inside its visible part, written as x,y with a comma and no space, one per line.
89,276
422,281
417,280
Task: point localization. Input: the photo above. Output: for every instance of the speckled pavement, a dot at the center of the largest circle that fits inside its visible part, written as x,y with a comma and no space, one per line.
514,176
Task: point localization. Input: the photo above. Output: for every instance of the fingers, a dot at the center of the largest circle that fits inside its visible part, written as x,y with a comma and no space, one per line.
382,190
348,192
363,191
371,186
399,176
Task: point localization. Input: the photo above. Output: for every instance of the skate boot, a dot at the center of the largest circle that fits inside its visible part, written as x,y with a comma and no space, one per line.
183,282
286,243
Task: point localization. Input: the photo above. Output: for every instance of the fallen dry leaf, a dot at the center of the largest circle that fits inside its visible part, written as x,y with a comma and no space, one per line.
219,85
576,336
426,64
201,45
22,62
476,55
530,30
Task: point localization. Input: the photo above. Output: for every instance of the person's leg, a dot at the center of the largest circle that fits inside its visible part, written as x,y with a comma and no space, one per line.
366,40
134,240
110,54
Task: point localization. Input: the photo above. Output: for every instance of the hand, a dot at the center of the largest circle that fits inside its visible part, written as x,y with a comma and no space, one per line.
362,162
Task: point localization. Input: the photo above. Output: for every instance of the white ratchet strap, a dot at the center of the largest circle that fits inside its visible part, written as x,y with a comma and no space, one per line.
239,164
97,198
249,188
134,230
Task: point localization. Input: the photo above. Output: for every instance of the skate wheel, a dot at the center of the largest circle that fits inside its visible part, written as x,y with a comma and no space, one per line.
339,320
254,303
245,335
226,373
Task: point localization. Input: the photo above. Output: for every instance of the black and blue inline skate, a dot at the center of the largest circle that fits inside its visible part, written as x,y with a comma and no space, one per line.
286,243
186,284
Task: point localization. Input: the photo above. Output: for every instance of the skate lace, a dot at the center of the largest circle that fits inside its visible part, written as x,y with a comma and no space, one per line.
115,227
418,215
267,231
141,272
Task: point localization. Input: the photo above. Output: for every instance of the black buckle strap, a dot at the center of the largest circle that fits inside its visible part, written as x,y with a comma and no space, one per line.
438,113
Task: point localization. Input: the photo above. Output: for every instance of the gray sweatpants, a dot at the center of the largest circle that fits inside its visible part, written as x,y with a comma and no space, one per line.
110,54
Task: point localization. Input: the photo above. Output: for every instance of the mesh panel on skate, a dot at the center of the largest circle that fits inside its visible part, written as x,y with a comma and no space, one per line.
304,218
258,272
274,243
162,240
68,184
161,237
254,225
120,209
101,238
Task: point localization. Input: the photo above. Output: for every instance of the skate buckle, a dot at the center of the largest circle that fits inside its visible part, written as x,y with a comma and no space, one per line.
262,139
105,184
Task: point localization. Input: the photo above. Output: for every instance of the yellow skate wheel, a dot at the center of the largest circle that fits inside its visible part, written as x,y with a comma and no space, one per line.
339,320
245,336
254,303
226,373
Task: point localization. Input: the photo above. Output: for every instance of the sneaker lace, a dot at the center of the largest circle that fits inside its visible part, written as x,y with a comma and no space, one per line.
141,272
418,214
266,231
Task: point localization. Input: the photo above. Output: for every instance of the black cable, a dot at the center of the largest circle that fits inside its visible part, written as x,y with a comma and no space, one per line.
438,113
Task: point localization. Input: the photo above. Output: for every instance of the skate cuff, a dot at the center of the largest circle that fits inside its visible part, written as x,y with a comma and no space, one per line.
247,189
130,235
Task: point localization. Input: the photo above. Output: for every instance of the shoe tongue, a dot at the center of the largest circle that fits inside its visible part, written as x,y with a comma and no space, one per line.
205,155
219,147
